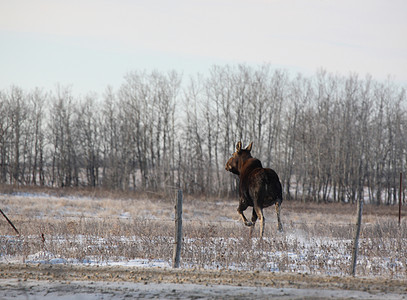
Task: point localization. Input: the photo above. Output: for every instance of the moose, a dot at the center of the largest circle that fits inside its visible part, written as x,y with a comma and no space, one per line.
258,187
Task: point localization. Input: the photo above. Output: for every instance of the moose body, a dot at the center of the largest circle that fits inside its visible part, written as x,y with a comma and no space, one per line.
259,187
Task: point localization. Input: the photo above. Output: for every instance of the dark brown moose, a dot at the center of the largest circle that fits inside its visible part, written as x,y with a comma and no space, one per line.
259,187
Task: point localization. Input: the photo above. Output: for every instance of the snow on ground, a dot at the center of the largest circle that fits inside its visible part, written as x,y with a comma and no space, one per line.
49,258
298,250
319,256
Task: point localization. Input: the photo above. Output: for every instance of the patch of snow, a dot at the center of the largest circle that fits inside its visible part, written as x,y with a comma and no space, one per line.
150,263
125,215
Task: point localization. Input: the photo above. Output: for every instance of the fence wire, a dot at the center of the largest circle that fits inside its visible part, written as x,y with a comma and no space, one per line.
23,218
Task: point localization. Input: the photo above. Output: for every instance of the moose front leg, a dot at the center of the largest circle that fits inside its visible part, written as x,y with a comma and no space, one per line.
240,209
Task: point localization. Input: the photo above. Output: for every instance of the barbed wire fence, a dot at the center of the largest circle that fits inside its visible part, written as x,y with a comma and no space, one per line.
20,219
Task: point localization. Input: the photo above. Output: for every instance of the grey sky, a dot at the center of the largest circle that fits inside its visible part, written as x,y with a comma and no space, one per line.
90,44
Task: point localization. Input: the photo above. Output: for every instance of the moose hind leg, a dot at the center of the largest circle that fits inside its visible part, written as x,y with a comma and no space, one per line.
280,226
254,219
259,212
254,216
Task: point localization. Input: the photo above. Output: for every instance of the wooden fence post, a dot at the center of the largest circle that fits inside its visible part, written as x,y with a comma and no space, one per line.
356,238
401,187
178,231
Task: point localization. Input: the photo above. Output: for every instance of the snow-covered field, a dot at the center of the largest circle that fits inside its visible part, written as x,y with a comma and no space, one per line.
317,239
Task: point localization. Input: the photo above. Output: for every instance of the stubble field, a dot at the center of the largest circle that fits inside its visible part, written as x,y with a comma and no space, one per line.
98,236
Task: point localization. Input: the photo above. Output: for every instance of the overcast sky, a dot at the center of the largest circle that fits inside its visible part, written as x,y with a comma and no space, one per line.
89,44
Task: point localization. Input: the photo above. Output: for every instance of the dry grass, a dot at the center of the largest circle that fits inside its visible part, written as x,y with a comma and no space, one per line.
81,228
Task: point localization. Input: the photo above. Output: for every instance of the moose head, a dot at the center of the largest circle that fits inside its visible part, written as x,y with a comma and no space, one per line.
234,164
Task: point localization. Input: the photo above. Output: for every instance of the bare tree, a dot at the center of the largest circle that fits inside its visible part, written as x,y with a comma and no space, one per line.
36,137
329,137
62,137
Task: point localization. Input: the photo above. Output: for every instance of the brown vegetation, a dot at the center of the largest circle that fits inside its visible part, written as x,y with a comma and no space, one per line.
316,238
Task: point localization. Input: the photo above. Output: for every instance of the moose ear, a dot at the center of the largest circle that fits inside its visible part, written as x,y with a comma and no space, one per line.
249,148
239,146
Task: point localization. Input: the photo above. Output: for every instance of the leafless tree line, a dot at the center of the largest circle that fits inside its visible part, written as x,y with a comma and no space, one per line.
329,137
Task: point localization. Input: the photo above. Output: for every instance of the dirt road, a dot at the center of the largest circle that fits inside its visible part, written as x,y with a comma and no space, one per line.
96,282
